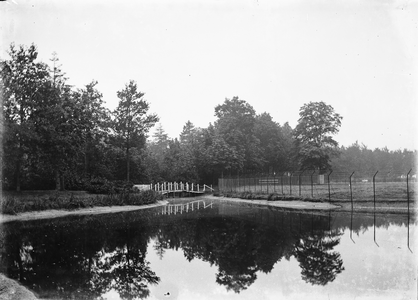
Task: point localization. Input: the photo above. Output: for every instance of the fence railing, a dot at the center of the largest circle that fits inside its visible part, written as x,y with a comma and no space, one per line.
378,185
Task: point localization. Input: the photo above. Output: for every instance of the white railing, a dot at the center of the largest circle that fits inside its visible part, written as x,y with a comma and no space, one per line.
174,187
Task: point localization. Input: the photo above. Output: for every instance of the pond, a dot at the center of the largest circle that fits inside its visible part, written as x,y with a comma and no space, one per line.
198,249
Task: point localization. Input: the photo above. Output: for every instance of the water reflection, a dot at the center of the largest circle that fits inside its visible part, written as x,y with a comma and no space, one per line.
81,258
86,257
318,262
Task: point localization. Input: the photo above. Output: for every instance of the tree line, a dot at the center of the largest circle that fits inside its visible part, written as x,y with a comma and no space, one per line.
58,136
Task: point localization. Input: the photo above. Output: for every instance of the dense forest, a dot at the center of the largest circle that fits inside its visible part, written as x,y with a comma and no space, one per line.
56,136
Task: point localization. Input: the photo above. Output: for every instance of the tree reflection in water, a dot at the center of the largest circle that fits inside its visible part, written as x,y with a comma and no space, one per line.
86,257
318,263
81,259
241,248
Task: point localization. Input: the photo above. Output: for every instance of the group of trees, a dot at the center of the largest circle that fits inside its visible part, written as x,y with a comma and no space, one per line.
54,134
359,158
57,136
238,141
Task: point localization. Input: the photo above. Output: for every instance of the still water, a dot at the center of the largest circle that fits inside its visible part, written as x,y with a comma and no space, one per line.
196,249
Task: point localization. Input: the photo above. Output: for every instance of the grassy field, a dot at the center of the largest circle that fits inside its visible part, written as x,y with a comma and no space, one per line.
337,191
387,196
14,202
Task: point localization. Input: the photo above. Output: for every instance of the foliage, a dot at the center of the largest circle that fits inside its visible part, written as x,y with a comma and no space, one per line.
364,161
131,121
23,80
56,136
234,137
14,204
313,135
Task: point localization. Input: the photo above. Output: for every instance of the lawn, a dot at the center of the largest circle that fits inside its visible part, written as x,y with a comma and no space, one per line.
18,202
336,191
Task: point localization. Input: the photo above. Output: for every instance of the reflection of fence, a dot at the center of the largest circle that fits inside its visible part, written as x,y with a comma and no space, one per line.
331,185
173,209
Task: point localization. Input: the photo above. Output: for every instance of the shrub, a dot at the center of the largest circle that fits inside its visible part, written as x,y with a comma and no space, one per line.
100,187
13,206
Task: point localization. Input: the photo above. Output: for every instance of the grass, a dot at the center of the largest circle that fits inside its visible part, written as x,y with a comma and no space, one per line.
361,191
14,203
389,197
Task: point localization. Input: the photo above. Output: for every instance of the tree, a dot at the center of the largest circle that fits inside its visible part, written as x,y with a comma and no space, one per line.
23,79
188,134
313,135
96,119
131,121
275,142
235,134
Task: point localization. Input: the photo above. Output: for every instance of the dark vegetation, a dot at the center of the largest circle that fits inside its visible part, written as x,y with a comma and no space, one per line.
13,203
59,137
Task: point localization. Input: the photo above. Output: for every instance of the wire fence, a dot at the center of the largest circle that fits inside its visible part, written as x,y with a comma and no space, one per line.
333,186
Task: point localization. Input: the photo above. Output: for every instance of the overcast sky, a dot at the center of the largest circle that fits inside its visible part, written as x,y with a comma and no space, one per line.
188,56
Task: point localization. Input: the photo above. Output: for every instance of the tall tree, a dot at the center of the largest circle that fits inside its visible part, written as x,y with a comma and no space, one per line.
317,124
23,79
235,128
132,121
96,119
272,142
188,133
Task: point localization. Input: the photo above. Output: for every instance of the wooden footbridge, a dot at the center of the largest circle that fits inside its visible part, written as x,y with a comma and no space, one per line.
176,187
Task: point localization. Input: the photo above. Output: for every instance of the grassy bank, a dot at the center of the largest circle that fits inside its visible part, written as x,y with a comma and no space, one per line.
13,203
360,191
265,196
366,205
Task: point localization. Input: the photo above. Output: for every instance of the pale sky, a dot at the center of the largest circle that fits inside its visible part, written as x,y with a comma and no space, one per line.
188,56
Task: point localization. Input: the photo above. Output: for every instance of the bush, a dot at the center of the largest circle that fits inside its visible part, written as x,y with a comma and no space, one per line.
103,186
13,206
100,186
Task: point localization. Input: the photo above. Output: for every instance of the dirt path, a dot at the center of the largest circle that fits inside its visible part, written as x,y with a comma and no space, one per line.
296,204
49,214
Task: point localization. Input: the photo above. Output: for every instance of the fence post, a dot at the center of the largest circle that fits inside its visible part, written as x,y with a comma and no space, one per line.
274,182
244,182
237,189
268,183
329,187
300,182
255,182
374,189
407,189
351,192
312,183
281,182
290,183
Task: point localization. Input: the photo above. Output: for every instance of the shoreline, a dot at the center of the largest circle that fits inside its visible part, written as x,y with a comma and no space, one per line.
294,204
290,204
308,205
57,213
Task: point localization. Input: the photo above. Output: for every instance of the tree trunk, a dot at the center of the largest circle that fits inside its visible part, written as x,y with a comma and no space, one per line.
62,181
57,180
85,162
127,163
18,175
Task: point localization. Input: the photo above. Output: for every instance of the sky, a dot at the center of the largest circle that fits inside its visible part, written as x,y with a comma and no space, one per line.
360,57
